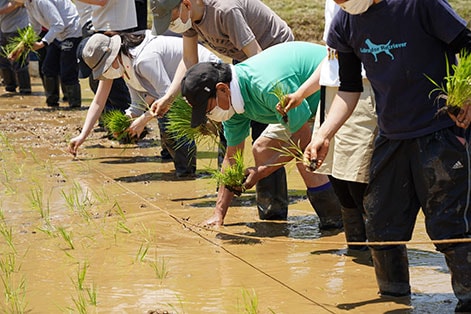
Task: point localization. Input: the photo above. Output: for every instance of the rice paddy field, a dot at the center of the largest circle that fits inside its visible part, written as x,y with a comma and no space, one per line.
113,230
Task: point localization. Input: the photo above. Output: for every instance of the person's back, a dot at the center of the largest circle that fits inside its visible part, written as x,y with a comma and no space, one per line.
254,20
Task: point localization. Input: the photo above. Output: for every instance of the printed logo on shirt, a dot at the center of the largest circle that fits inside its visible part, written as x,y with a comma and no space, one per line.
376,49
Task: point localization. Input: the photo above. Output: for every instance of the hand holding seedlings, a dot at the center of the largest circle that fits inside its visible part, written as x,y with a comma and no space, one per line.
456,90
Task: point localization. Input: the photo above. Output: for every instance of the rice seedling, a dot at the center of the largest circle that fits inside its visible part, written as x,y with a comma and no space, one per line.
121,226
117,208
160,267
233,176
250,302
36,200
10,188
117,123
6,232
15,294
456,88
18,47
179,125
6,141
280,93
67,236
294,151
142,252
79,201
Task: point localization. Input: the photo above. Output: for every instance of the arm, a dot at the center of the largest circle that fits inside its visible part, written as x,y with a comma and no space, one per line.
252,48
309,87
224,195
10,7
190,57
93,114
95,2
342,107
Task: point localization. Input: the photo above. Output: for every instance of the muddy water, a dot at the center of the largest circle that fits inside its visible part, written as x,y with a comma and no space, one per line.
114,225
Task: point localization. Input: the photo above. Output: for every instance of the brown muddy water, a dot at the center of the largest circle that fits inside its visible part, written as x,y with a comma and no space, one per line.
113,232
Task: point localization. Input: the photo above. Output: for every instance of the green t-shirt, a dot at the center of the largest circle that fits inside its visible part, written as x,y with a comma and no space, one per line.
287,65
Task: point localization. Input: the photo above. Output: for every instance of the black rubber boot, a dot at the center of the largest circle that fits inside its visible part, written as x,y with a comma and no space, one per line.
51,89
182,152
392,270
9,79
24,81
74,95
327,207
458,260
354,227
272,196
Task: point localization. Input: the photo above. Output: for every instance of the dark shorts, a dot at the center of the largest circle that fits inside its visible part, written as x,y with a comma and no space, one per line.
431,172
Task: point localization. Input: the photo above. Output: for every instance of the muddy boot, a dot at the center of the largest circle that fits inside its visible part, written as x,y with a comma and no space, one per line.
74,95
9,80
327,206
354,227
458,260
24,81
272,196
51,89
184,160
392,270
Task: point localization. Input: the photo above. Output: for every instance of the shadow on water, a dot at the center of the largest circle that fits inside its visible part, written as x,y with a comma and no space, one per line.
418,303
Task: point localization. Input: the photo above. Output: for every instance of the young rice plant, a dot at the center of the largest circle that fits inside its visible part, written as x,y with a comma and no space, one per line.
279,92
179,125
18,47
456,88
232,177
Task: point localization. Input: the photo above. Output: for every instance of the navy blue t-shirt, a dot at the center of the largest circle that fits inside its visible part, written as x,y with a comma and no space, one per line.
399,42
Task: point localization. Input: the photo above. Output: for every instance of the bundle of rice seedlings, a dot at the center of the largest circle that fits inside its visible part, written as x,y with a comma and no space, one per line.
179,125
233,177
117,124
294,150
279,92
18,47
457,86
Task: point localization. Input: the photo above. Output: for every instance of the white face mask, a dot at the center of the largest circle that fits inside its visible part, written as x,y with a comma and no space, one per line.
218,114
355,7
178,26
113,73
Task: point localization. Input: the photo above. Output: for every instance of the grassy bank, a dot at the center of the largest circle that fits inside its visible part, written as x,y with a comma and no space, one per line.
306,18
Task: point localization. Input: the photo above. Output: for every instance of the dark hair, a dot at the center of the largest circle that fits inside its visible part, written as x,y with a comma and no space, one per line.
129,41
224,72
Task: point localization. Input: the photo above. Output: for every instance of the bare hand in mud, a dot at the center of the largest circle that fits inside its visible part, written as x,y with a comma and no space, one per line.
463,118
74,144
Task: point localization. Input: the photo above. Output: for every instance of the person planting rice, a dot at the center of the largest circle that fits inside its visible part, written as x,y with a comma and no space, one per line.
237,30
420,159
237,94
64,33
148,64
